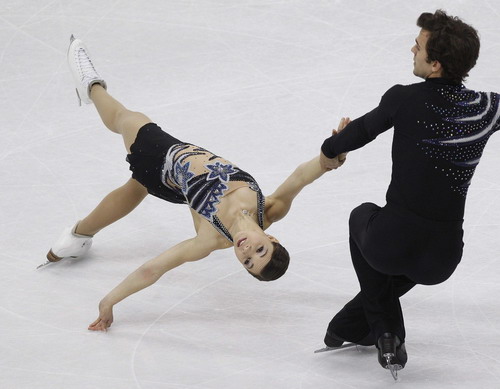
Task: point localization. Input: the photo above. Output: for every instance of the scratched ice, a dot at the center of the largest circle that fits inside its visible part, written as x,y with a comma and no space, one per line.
262,83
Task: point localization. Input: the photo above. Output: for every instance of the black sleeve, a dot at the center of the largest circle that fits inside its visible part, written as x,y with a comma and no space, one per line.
366,128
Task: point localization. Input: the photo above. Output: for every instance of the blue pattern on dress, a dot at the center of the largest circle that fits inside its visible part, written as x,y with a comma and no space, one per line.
183,175
204,191
221,171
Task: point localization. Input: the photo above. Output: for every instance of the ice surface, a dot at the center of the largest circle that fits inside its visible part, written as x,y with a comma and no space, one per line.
261,82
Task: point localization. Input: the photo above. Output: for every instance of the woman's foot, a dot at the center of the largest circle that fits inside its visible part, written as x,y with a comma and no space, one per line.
82,69
69,244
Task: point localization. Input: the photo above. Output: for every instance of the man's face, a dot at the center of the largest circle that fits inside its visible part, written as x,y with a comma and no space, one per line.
422,68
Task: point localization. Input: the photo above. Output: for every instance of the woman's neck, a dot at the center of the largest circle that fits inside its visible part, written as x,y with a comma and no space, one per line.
243,220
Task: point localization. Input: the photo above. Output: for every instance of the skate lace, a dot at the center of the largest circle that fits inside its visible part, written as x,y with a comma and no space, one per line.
86,66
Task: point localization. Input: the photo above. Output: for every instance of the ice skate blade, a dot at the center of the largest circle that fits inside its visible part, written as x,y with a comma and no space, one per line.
393,368
79,98
51,258
43,264
394,371
324,349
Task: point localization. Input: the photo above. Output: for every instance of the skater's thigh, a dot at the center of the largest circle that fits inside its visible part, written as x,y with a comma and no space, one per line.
385,239
360,220
426,252
129,124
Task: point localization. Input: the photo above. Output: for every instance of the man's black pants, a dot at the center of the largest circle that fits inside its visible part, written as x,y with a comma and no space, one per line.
392,250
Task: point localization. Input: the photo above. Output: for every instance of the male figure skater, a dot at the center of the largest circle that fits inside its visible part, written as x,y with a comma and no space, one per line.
440,131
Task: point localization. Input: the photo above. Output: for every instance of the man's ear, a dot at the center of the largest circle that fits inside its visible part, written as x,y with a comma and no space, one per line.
437,68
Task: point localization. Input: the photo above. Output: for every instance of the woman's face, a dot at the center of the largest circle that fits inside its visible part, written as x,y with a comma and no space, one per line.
254,249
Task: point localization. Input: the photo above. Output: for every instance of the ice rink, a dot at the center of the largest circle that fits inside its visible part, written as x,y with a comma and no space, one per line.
262,83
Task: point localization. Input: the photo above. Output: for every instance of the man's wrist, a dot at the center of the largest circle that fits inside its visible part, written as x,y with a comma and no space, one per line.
325,149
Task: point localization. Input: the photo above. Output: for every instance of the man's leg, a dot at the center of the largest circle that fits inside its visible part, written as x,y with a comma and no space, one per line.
380,302
378,295
350,324
376,308
367,224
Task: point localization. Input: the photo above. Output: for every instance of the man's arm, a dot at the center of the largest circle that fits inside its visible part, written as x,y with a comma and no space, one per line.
367,127
146,275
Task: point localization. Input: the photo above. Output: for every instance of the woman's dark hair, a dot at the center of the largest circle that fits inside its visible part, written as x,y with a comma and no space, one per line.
276,266
451,42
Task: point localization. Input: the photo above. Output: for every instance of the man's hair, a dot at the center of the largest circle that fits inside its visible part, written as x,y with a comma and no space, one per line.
276,266
451,42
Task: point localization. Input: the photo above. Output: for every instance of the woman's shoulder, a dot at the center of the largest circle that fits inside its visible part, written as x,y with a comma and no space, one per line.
272,211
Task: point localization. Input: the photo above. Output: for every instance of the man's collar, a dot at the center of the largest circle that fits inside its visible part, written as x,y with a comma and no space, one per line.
442,80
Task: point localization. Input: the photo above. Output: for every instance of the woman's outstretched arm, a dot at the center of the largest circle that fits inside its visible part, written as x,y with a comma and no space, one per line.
305,174
146,275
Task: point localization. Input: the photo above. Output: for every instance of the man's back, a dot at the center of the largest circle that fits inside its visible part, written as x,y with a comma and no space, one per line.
440,130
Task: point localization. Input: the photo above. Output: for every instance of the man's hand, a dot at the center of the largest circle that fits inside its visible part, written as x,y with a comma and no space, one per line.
331,163
334,163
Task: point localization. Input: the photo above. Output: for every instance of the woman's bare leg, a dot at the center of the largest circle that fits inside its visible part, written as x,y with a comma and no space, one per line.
92,88
117,204
124,199
113,207
116,117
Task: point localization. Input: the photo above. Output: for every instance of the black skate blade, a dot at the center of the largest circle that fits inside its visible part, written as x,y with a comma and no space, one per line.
325,349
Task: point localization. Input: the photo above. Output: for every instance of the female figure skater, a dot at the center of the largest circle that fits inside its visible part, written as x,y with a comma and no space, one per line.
226,203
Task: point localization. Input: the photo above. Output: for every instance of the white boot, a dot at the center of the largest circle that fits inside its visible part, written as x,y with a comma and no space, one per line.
69,244
83,70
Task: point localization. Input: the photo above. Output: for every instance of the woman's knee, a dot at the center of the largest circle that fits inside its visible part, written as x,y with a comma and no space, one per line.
129,121
128,124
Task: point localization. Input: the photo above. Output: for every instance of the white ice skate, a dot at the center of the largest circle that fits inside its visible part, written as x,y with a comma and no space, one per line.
84,73
69,245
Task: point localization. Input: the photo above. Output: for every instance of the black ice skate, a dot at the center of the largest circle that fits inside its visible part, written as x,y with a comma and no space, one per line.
391,353
335,342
